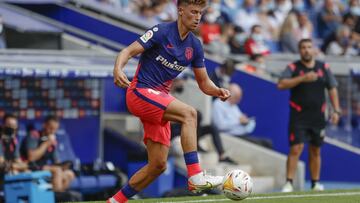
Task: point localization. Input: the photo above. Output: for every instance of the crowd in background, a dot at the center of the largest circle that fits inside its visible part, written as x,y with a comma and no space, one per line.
262,27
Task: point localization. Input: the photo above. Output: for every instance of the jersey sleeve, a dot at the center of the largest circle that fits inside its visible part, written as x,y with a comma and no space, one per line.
199,59
32,141
288,72
17,150
1,150
151,37
330,78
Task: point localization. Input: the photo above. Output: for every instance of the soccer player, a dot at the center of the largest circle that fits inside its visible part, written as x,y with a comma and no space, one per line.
307,80
167,49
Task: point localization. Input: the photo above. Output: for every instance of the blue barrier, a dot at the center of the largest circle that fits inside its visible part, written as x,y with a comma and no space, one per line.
29,187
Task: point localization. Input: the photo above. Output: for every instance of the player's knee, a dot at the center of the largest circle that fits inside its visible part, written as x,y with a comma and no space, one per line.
296,150
190,115
157,168
70,175
315,151
56,170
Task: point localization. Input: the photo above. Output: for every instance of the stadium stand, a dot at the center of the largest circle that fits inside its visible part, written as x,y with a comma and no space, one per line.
111,25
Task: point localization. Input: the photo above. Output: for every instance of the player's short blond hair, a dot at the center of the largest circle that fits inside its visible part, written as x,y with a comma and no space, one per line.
194,2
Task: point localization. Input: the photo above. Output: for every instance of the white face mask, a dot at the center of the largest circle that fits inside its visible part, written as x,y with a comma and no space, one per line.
355,10
257,37
212,17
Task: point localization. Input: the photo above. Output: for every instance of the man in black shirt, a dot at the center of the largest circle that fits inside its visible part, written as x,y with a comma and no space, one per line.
41,153
307,80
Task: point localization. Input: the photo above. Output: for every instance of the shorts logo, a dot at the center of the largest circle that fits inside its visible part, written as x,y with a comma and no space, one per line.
153,91
148,35
188,53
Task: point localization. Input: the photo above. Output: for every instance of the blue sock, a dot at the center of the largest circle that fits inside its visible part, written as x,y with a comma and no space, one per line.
192,163
191,158
128,191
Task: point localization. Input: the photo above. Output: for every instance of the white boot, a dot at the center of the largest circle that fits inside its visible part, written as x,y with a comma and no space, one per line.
201,181
318,187
288,187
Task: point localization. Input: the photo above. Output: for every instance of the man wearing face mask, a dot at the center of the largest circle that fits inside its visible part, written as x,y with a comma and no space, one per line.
41,150
343,45
222,75
9,149
255,44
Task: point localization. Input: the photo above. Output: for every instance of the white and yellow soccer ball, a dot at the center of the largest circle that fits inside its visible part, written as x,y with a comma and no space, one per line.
237,185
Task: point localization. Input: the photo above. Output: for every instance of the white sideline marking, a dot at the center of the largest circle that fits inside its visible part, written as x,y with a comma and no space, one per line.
273,197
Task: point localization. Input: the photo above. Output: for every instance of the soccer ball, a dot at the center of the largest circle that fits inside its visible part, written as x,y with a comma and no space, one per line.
237,185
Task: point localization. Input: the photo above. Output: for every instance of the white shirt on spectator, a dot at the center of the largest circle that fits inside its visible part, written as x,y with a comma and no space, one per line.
226,117
246,19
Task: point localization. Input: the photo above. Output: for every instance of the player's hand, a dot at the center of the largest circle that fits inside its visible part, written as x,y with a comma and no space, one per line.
120,78
334,118
224,94
244,120
52,139
310,77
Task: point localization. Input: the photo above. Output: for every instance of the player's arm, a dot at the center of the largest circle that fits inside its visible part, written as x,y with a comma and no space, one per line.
207,86
331,85
122,58
35,153
287,81
334,98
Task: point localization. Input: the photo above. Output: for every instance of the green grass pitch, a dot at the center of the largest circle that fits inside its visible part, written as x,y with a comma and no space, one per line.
330,196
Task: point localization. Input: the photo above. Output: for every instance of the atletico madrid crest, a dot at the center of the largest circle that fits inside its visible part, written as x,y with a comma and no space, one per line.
188,53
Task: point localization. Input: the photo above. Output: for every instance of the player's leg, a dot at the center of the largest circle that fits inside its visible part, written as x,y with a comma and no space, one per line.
57,177
293,159
317,138
296,141
315,164
157,158
68,177
186,115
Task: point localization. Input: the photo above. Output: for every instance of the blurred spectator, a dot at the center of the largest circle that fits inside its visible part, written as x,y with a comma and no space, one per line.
2,33
230,7
329,18
247,17
10,161
237,41
168,12
222,74
256,44
306,27
354,7
267,19
282,8
343,44
220,46
298,5
228,118
348,20
209,29
41,153
289,34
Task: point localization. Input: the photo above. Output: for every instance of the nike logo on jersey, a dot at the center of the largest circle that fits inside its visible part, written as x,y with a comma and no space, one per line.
169,46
